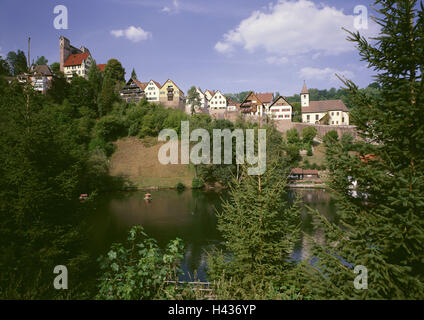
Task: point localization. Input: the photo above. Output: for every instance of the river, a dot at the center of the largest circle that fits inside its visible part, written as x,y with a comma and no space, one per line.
189,215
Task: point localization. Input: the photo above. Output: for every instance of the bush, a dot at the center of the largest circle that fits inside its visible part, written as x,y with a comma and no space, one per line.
308,134
180,186
331,137
139,269
110,127
197,183
310,154
98,143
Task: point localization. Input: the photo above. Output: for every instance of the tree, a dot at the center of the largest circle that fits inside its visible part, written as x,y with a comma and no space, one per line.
4,68
308,135
260,229
292,136
55,67
133,74
81,93
95,78
41,218
115,71
381,224
17,62
193,99
41,61
107,96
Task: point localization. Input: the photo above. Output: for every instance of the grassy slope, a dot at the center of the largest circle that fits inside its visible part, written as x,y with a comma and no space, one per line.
137,160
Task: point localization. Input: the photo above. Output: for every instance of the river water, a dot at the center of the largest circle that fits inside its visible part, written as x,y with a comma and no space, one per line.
189,215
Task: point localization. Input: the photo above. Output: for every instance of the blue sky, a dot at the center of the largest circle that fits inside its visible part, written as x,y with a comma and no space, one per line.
226,45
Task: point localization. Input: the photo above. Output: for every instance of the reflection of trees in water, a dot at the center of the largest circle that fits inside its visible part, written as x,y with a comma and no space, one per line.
317,200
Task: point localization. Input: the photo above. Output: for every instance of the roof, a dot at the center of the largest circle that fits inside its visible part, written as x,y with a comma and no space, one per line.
76,59
304,89
43,69
302,171
280,101
142,85
157,84
265,97
174,85
324,106
101,67
210,92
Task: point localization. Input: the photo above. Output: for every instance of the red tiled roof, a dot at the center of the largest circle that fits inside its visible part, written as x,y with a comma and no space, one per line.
101,67
302,171
265,97
142,85
76,59
324,106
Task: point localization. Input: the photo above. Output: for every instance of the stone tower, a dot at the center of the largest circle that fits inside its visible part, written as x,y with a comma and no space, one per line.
65,51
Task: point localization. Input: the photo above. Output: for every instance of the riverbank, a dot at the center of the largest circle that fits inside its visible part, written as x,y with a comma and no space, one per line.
137,162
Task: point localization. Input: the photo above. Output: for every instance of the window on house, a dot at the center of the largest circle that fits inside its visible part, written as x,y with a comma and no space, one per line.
316,117
343,120
308,117
337,113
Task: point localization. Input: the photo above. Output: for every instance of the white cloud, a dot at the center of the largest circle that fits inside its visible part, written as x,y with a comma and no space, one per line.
135,34
175,8
293,28
309,73
277,60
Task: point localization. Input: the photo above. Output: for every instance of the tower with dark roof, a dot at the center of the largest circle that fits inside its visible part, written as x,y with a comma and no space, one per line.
304,96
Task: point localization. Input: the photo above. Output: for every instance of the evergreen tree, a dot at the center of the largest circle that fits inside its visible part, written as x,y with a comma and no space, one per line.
95,79
133,74
107,96
260,228
382,221
17,62
193,99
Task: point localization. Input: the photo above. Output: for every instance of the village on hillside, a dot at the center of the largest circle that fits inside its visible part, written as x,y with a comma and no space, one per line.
77,62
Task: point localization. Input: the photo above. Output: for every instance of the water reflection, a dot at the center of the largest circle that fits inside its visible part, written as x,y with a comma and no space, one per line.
189,215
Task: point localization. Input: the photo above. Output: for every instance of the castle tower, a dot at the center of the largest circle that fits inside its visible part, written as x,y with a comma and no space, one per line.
65,51
304,96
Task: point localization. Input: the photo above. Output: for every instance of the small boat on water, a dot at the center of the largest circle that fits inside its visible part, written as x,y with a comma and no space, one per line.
148,197
83,196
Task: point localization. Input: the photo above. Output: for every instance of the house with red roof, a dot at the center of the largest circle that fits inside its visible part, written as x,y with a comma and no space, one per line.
326,112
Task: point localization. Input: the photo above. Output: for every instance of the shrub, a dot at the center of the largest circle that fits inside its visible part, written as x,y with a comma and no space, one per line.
180,186
139,269
197,183
310,154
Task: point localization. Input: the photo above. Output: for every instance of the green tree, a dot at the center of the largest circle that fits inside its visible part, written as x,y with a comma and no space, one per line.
381,226
41,218
95,78
133,74
41,61
4,68
55,67
17,62
115,71
308,135
292,136
193,99
260,229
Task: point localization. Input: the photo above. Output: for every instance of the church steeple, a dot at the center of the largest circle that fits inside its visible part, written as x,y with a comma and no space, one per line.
304,96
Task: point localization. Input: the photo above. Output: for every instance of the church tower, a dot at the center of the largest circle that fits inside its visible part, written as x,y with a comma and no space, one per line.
304,96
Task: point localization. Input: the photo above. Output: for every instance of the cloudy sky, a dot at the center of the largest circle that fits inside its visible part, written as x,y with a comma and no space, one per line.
226,45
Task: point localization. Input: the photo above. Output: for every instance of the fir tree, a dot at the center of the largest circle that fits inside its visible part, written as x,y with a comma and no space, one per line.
260,228
133,74
382,220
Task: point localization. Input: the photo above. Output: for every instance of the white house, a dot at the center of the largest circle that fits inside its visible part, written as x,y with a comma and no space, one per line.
280,109
218,101
328,112
78,64
41,78
152,91
209,94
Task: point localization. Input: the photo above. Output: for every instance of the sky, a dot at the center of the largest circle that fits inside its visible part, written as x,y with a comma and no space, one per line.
226,45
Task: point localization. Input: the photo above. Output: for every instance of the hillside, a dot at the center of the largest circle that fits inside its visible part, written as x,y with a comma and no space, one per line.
137,160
